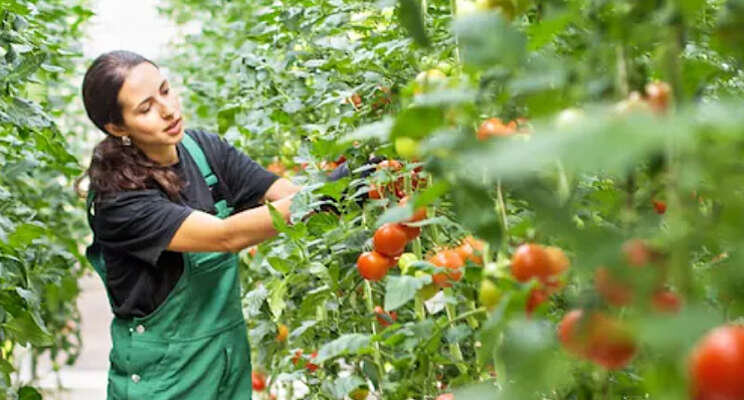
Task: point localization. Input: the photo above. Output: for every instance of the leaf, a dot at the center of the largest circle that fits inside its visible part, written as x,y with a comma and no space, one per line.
24,329
474,208
416,122
342,386
487,40
377,130
28,393
346,344
278,220
253,300
278,291
399,290
412,19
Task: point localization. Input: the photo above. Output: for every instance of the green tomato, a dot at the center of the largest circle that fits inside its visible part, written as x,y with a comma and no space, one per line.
407,148
489,294
405,261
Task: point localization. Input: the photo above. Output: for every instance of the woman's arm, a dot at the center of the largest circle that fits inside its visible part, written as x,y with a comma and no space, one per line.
201,232
280,189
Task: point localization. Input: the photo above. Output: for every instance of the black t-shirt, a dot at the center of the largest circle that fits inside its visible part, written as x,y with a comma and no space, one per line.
133,228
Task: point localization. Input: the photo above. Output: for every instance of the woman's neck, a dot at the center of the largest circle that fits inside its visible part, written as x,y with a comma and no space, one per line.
163,155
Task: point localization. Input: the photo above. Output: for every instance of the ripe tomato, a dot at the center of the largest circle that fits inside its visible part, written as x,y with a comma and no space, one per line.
636,252
657,96
297,356
282,333
666,301
384,318
558,260
356,100
390,239
489,294
258,380
536,297
568,333
412,232
448,259
446,396
613,291
531,261
609,342
471,249
394,165
495,127
310,366
418,215
717,364
376,192
373,266
597,337
660,206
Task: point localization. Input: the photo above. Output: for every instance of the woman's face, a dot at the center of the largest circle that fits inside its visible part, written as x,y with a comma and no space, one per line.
150,108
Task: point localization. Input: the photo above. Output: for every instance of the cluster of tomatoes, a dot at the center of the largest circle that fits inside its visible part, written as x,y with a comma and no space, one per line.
389,243
453,259
546,264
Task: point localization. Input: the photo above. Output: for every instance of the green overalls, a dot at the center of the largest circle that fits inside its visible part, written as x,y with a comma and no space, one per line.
194,345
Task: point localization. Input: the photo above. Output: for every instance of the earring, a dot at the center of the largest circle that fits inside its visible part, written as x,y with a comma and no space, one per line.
126,141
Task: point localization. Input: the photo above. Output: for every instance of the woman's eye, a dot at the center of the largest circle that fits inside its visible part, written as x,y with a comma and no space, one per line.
166,90
146,110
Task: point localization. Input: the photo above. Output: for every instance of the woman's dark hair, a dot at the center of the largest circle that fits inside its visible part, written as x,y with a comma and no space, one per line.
114,166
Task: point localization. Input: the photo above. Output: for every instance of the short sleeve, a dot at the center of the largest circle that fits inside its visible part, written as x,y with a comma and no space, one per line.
138,223
246,180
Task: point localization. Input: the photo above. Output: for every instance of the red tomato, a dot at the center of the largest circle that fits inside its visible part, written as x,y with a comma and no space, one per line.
471,249
558,260
717,365
390,239
530,261
598,337
412,232
568,332
636,252
418,215
657,95
373,266
495,127
448,259
297,356
310,366
659,206
666,301
535,298
394,165
381,316
609,343
614,292
376,192
258,380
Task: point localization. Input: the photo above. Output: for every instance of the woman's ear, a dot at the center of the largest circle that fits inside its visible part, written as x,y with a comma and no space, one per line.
116,130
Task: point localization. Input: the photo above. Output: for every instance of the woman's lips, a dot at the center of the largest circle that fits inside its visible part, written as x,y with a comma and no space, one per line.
174,128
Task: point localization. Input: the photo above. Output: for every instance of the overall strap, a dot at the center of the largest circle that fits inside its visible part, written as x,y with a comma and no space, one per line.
223,209
201,160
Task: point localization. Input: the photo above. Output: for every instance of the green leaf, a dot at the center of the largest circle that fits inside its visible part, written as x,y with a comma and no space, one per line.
278,291
412,19
278,220
28,393
399,290
24,329
487,40
346,344
25,233
342,386
417,122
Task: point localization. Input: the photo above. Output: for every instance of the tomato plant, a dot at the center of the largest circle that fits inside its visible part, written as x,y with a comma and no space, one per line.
629,108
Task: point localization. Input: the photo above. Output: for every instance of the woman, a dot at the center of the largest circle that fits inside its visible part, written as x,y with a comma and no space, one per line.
169,209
